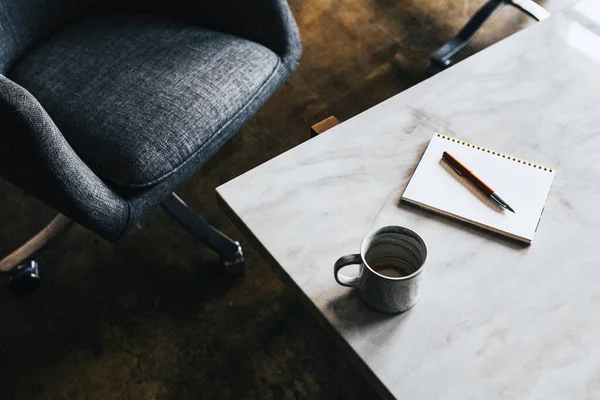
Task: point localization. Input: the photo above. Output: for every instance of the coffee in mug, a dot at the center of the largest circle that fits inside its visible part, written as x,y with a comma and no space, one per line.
391,264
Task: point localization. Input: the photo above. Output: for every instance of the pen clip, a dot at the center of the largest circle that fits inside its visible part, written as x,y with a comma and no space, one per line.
452,166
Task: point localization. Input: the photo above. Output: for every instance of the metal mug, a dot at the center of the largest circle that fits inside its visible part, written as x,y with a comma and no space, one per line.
391,264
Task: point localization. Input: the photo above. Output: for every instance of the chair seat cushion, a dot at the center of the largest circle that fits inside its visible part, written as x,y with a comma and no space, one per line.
138,96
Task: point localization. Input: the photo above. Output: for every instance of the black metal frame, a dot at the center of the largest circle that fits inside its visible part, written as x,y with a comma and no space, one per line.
442,57
229,250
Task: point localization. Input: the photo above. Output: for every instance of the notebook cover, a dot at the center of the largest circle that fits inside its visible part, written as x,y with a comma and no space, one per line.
522,184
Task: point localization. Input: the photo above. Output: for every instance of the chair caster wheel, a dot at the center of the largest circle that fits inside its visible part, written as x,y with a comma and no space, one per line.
234,264
24,278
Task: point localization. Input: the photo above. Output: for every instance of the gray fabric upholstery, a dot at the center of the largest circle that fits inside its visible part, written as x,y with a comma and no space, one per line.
144,92
35,155
25,23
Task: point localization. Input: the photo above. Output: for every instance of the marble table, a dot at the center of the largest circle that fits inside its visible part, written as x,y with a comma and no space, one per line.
496,320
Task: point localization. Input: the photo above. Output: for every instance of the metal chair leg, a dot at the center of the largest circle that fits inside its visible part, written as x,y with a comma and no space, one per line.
229,250
23,272
442,57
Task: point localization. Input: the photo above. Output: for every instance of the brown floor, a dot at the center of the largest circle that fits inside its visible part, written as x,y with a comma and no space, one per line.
151,316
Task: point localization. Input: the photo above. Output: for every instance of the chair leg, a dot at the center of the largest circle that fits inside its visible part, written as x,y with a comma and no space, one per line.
22,270
229,250
441,58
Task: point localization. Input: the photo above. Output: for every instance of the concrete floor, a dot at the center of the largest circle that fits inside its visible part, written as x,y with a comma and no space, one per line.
152,316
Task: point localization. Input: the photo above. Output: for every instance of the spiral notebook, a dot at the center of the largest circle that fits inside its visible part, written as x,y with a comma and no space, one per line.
525,185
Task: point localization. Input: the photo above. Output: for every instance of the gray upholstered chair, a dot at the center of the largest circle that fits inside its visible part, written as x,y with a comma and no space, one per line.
106,106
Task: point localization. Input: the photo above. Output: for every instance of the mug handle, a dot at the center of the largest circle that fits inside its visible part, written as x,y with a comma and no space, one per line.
343,262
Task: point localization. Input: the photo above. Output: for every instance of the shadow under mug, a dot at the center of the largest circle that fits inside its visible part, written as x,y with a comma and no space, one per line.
391,264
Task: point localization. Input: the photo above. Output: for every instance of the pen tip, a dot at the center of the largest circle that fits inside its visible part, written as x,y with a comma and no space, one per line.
509,208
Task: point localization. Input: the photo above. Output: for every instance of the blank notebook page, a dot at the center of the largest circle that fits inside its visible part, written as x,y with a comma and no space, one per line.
522,184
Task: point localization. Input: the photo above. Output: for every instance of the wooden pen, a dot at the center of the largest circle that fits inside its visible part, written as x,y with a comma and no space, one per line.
462,170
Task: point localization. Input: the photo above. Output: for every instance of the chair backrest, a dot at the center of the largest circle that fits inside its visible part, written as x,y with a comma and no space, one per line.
24,23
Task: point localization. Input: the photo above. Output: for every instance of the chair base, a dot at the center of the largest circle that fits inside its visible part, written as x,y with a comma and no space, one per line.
442,57
230,251
236,264
42,238
23,272
24,278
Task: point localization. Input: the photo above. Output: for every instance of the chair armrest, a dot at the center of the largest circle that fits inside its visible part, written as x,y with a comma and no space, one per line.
35,157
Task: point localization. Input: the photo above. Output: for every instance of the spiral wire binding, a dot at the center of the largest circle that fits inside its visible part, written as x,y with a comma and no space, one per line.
497,153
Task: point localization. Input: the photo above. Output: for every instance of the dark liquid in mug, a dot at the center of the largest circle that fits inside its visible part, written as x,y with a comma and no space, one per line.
391,271
393,255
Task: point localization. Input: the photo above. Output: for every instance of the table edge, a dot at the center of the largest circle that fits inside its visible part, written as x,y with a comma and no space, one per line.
312,309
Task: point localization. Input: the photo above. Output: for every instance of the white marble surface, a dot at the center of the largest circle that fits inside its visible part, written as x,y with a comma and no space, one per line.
496,320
